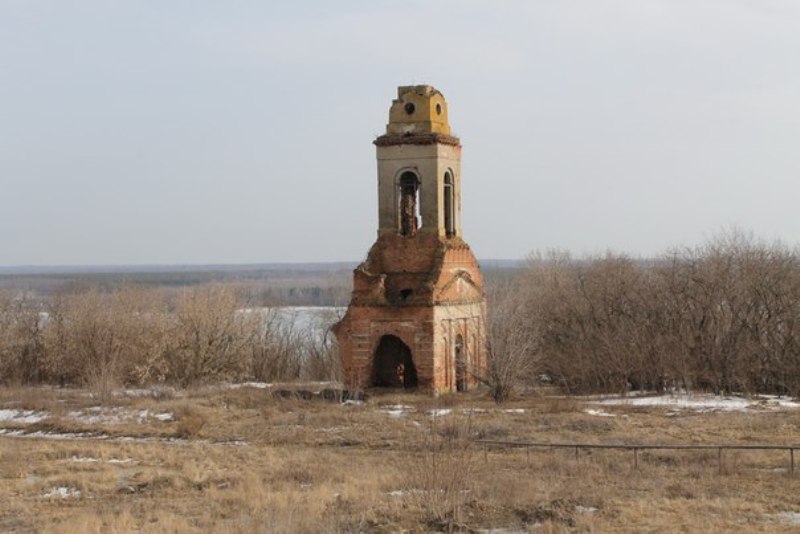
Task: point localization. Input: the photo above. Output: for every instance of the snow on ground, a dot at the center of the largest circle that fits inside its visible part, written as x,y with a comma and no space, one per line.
598,413
786,517
91,460
287,385
396,410
704,402
399,410
256,385
83,459
116,416
50,435
72,436
22,416
62,492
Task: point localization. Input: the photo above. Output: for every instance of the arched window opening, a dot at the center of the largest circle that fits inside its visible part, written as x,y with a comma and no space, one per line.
461,364
449,205
392,365
409,204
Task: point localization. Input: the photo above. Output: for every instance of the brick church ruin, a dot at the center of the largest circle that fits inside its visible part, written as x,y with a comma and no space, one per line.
417,314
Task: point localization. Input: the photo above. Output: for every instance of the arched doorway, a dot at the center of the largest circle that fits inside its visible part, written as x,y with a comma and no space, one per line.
392,366
461,365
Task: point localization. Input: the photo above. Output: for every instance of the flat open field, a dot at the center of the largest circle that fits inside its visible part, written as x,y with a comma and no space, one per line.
241,459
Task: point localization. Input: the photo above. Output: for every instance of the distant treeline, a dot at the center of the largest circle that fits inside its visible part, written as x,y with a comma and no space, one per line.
324,284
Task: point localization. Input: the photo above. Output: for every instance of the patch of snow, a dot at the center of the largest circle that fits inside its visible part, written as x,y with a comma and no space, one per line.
598,413
513,410
71,436
771,469
62,492
774,400
396,410
396,493
351,402
137,392
90,460
439,412
22,416
288,385
585,509
99,415
787,517
256,385
83,459
116,416
474,410
236,442
702,402
50,435
503,530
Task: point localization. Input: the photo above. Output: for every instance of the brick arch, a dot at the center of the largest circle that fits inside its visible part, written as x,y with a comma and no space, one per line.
393,364
408,187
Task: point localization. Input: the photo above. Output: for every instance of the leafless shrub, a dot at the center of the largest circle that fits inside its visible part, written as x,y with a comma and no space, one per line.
209,339
321,361
275,350
189,422
288,348
724,316
105,339
439,481
21,339
512,337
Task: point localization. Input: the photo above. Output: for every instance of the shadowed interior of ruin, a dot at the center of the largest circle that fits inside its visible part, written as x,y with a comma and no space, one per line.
392,365
409,204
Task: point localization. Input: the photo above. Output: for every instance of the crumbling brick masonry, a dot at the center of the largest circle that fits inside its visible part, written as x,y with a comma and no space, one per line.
417,314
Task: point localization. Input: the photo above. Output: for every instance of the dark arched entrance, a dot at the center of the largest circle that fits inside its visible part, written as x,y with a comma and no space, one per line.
392,366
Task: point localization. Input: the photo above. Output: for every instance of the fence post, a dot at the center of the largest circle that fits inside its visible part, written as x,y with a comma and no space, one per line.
719,459
576,453
635,458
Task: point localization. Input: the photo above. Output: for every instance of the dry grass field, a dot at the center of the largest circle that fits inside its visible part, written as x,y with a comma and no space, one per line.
243,460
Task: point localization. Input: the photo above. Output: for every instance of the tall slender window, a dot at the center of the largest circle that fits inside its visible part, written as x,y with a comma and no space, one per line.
409,204
449,205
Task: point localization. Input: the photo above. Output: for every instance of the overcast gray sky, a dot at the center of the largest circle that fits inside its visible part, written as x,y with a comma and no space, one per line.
224,132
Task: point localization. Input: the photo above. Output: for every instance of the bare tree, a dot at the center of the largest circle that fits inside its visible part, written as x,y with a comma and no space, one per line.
512,337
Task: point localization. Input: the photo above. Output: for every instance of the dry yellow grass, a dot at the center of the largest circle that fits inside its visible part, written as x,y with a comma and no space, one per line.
243,461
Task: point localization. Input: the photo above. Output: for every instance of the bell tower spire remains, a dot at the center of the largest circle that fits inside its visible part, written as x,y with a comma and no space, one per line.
417,314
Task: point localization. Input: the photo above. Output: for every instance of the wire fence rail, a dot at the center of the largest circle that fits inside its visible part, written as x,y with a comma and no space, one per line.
528,445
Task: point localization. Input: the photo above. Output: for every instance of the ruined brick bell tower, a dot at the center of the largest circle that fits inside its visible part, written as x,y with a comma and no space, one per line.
416,317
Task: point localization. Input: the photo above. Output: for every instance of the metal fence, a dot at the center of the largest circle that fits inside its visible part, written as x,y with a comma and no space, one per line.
528,445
